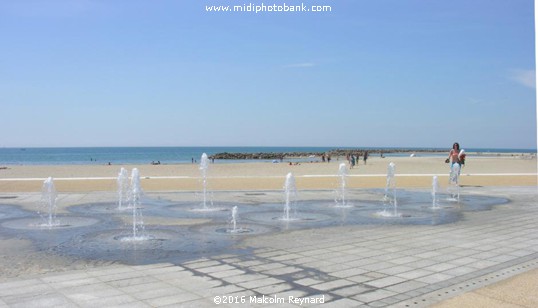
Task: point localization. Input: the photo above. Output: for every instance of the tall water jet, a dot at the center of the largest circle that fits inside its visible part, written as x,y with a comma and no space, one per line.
135,203
390,188
204,165
454,185
435,189
290,193
123,188
341,192
48,199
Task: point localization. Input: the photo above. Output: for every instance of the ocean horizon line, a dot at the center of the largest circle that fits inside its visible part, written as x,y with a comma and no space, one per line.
481,149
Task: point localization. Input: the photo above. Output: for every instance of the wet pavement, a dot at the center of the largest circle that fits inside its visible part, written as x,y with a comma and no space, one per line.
367,254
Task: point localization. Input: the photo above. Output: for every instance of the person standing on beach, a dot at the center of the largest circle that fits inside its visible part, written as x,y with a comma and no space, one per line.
455,157
365,156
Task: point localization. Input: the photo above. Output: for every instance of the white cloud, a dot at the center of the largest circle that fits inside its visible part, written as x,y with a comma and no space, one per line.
524,77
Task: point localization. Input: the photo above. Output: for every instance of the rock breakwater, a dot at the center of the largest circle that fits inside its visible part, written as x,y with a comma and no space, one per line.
331,153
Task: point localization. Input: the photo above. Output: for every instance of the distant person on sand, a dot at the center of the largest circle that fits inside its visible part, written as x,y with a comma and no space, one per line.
365,157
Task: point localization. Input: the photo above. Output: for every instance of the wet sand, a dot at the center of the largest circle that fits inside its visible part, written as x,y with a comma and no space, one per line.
410,172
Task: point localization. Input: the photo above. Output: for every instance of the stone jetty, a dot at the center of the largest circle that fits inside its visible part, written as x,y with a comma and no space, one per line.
332,153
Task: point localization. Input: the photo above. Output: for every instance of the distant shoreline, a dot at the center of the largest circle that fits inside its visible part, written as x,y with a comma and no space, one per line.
191,155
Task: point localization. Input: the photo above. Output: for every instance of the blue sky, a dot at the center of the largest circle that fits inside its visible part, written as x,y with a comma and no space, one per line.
388,73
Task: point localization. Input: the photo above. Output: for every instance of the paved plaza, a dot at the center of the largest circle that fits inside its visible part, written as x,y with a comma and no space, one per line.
355,265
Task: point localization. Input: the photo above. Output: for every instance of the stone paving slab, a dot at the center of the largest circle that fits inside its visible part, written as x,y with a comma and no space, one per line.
349,266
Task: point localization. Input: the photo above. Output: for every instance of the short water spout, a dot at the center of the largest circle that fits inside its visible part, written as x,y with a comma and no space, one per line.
290,193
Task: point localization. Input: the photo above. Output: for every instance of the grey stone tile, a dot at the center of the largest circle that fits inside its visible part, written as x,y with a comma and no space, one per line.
171,300
308,281
332,284
440,267
218,268
244,278
459,271
228,273
267,266
404,260
406,286
90,292
349,272
201,264
253,284
107,301
132,281
342,303
434,278
44,300
217,291
156,292
360,278
74,283
66,277
416,273
282,271
394,270
368,297
351,290
26,291
274,288
18,286
384,282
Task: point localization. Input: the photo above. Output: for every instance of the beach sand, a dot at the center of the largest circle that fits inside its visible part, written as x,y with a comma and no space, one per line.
411,172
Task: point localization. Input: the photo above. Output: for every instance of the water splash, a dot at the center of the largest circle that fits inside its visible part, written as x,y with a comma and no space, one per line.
234,219
204,165
341,192
136,204
290,194
435,189
389,199
48,200
454,185
123,188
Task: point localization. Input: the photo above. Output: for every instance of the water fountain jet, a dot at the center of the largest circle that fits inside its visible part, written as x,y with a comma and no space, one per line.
435,189
341,192
123,188
204,165
454,185
48,198
135,203
290,193
389,199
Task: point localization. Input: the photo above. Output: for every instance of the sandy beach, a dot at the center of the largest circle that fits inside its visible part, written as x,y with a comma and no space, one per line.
410,172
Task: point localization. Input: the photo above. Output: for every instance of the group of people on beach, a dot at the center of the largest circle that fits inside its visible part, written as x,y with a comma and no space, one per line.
354,159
